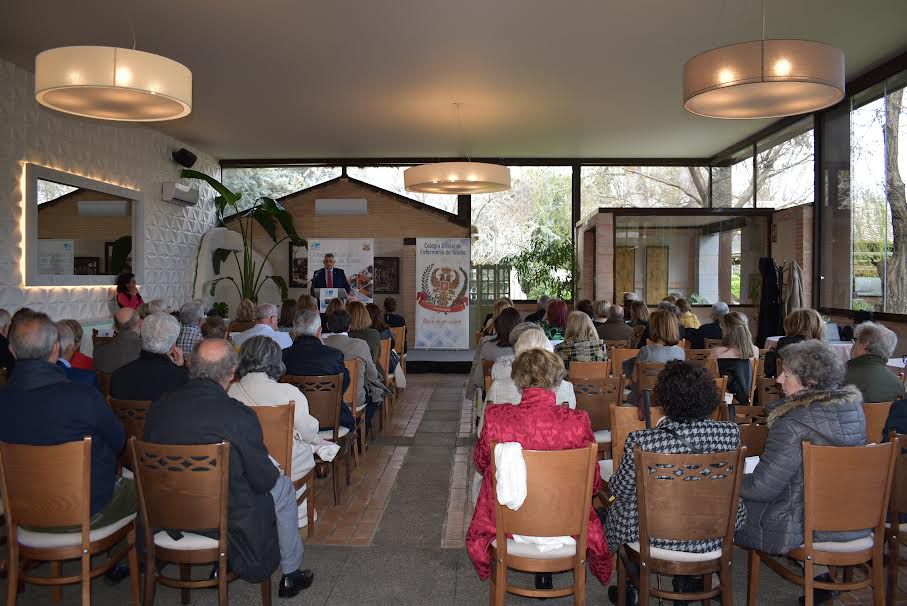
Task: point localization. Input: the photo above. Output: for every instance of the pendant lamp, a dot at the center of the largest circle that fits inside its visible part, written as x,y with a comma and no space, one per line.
110,83
457,177
763,79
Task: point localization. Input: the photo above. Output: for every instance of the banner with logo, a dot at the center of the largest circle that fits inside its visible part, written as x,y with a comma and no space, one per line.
355,257
442,293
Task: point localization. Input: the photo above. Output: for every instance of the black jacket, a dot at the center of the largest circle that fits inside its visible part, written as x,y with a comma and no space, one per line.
40,406
201,412
338,277
712,330
147,378
308,356
7,360
770,364
536,317
394,320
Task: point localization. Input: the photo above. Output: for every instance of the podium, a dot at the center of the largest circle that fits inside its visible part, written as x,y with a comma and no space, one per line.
324,296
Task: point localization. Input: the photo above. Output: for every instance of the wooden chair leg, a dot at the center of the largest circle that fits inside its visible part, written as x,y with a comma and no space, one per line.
878,574
579,582
335,480
727,582
644,579
56,569
355,454
86,579
12,581
350,449
362,441
222,598
753,565
266,592
135,571
310,502
500,584
808,582
892,586
185,575
150,579
707,586
621,582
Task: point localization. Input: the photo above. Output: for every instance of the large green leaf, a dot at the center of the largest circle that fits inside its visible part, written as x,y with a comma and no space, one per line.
281,284
220,255
215,282
283,217
264,218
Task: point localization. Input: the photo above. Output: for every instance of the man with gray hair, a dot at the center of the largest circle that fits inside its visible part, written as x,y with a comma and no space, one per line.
539,314
192,314
867,368
67,342
266,316
615,329
159,367
123,348
262,522
7,360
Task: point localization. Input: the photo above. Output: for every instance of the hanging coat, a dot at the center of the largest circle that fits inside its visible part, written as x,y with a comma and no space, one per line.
793,288
769,303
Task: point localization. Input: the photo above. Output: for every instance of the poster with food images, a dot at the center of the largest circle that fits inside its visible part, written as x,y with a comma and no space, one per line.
356,257
442,293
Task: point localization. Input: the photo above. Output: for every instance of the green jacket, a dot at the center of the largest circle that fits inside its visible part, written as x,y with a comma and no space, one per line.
874,379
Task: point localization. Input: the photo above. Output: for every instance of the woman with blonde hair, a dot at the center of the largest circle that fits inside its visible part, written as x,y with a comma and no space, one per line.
664,333
687,317
361,328
601,309
736,340
799,325
245,311
306,301
499,306
581,342
639,319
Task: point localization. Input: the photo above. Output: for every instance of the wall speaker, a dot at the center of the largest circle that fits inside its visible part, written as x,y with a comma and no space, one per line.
184,157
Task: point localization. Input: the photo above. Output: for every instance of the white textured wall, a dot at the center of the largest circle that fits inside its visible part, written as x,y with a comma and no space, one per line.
126,154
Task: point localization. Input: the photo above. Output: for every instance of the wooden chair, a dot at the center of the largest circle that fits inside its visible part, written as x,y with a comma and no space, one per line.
747,415
4,375
710,343
131,414
277,428
753,436
400,344
488,381
478,336
618,343
618,356
589,370
759,371
558,480
704,359
646,378
384,360
768,391
624,421
896,533
49,487
756,373
721,386
671,508
185,488
324,395
844,488
103,382
876,414
596,396
235,326
684,344
349,398
97,339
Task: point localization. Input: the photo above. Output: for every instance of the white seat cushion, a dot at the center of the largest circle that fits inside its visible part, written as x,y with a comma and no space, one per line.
671,555
31,538
528,550
606,469
901,527
127,473
844,546
189,542
360,408
603,436
328,434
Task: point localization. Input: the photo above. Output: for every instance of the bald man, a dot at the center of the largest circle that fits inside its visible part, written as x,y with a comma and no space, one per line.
262,518
125,347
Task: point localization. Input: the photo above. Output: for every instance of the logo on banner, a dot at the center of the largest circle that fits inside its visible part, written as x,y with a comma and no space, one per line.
443,295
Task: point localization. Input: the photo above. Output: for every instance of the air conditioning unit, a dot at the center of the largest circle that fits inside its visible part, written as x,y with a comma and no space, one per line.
179,194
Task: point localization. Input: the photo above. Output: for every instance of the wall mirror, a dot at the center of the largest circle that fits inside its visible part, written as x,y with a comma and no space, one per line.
79,231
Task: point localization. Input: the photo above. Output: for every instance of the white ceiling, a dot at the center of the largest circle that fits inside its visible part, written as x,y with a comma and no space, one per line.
377,78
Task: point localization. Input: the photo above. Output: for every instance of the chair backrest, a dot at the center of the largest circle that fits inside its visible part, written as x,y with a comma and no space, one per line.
758,370
556,481
324,395
235,326
769,391
618,356
479,334
352,367
277,429
750,415
618,343
647,375
721,386
97,339
845,488
4,375
703,361
753,436
399,339
624,421
488,381
898,501
589,370
131,414
684,344
596,396
182,486
687,497
710,343
486,367
384,356
876,414
47,486
103,382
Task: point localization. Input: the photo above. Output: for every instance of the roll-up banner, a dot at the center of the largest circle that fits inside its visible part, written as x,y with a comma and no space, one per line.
442,293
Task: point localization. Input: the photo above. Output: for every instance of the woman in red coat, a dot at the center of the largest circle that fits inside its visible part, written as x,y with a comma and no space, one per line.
537,423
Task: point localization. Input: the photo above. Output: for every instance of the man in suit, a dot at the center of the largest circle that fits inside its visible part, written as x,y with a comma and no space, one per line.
125,347
159,367
539,314
330,276
712,330
262,526
615,328
308,356
67,349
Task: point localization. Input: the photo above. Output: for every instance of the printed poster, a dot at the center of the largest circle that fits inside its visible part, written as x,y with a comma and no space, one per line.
355,257
442,293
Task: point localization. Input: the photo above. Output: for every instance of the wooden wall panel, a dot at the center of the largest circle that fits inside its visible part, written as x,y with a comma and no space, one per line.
625,270
656,274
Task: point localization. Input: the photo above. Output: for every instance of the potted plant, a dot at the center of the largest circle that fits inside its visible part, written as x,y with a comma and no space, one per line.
267,213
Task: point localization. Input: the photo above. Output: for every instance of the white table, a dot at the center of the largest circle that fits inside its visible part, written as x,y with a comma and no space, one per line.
841,348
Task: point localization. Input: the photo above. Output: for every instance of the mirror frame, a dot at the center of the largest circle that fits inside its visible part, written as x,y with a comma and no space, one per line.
33,172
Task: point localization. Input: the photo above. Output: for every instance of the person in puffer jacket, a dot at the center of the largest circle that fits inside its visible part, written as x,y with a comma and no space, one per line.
816,408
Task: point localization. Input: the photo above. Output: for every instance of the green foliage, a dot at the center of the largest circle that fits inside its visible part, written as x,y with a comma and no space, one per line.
268,214
220,309
861,305
696,299
545,268
735,286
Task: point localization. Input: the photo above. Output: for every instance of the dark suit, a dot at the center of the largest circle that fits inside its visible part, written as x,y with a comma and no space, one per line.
394,320
40,406
614,330
147,378
7,360
201,412
308,356
124,348
712,330
536,317
319,280
77,375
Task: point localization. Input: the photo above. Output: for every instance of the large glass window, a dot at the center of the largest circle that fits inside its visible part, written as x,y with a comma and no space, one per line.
391,179
274,181
732,180
644,187
785,172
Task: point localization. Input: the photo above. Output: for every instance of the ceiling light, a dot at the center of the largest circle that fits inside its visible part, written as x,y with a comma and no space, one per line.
110,83
457,177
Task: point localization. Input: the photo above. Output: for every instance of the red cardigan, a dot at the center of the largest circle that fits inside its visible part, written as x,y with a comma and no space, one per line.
538,424
125,300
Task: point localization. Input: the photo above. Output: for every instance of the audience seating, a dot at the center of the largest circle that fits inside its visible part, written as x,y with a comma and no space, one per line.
753,436
390,400
97,339
596,396
399,334
876,414
4,375
49,487
323,393
704,359
478,336
618,343
488,381
749,414
236,326
896,533
131,414
349,397
710,343
768,391
103,382
646,377
589,370
721,386
185,488
556,481
277,428
624,421
671,508
618,356
844,488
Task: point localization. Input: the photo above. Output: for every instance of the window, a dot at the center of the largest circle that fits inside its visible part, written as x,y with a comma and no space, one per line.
391,179
529,229
732,180
274,181
643,187
785,172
